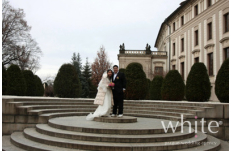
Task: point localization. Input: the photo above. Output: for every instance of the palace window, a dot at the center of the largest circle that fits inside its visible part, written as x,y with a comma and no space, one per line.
182,45
196,38
182,20
226,53
182,70
196,60
209,2
174,49
159,71
196,10
226,23
210,31
174,26
173,67
210,64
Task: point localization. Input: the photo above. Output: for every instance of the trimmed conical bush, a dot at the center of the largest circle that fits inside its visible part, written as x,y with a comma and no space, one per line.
136,87
67,83
122,70
222,82
198,86
148,89
4,80
39,86
16,84
155,88
173,87
30,82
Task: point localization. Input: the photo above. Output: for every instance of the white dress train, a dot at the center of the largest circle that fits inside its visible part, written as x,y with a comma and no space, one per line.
102,110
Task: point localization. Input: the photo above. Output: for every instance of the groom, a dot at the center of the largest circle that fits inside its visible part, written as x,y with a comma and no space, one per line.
118,92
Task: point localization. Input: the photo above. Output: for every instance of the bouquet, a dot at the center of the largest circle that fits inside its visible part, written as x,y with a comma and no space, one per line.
111,85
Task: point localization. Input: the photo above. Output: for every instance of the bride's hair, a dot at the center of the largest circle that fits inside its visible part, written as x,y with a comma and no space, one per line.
107,74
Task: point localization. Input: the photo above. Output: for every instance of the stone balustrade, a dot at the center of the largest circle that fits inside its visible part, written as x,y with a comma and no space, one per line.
143,52
159,53
135,52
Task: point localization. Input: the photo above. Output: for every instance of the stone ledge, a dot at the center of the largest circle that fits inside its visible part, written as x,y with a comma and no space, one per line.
124,119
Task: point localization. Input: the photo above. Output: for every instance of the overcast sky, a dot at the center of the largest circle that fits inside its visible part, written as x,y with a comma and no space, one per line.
62,27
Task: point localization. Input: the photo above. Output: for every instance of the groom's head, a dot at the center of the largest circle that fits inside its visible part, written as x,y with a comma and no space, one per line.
115,68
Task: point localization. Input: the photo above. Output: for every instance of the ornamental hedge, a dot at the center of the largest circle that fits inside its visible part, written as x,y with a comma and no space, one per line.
122,70
222,82
173,87
4,80
30,82
136,87
16,84
155,88
67,83
198,86
39,86
148,89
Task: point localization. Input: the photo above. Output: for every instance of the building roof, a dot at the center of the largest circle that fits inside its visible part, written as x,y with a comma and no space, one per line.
182,4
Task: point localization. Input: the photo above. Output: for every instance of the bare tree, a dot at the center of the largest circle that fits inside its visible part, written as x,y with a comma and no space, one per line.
100,65
17,44
29,56
49,79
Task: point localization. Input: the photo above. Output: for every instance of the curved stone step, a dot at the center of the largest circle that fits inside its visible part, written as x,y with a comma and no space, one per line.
109,119
212,144
8,146
43,118
142,126
57,103
18,139
36,107
165,117
51,99
103,146
160,115
167,105
43,111
167,113
46,114
47,130
135,108
130,104
156,114
184,103
60,106
173,109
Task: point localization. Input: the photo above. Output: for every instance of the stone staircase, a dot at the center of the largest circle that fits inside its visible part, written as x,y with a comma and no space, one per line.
59,124
41,111
75,132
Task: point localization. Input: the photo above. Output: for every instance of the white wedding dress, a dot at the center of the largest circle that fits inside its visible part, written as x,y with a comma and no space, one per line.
103,110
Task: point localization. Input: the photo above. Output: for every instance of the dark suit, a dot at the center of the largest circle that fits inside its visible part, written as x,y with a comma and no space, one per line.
118,94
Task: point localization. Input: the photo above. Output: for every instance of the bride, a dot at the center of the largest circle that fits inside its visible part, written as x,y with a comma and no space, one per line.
104,97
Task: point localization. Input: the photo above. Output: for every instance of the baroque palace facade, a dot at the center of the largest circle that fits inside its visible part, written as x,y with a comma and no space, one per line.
197,31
